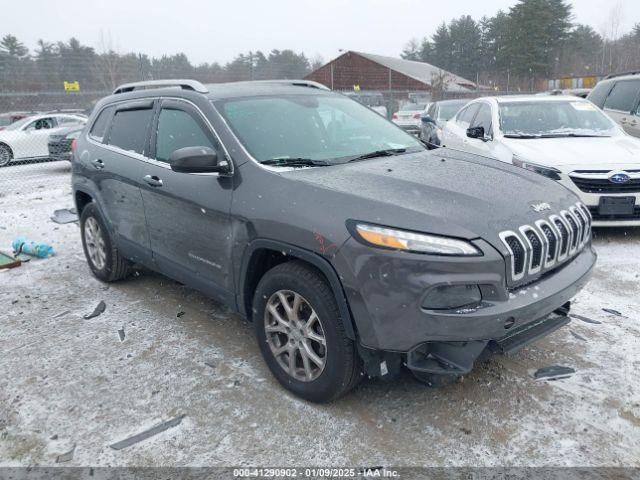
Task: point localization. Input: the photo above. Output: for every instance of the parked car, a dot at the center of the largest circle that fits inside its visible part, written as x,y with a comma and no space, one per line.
408,117
563,138
60,143
434,119
374,100
27,138
350,247
619,97
8,118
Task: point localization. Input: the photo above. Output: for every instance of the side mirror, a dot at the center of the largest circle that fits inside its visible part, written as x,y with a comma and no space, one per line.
477,132
197,160
426,118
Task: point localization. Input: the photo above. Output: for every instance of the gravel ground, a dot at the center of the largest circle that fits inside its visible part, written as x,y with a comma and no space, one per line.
66,381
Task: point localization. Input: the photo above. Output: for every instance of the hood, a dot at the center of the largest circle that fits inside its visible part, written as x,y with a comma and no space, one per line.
441,192
568,154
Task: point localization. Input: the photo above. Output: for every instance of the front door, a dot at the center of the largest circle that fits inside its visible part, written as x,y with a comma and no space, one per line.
34,142
187,213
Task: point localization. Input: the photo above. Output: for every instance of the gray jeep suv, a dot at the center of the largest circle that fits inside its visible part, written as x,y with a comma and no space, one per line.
351,248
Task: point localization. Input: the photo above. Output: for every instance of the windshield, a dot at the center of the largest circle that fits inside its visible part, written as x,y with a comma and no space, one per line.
449,109
413,107
329,128
18,124
558,118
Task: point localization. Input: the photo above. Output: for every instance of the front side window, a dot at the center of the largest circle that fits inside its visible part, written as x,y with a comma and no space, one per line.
41,124
623,96
330,128
554,119
129,129
483,118
178,129
465,116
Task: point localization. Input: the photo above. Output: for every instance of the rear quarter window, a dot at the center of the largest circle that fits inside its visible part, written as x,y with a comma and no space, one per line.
599,94
99,127
129,129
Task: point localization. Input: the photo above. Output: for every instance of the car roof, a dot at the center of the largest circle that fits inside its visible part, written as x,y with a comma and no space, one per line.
534,98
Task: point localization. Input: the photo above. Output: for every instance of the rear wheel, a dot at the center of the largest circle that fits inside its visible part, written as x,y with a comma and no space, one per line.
6,155
301,334
103,257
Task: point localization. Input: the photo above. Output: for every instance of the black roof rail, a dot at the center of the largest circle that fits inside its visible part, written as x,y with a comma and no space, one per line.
622,74
296,83
184,84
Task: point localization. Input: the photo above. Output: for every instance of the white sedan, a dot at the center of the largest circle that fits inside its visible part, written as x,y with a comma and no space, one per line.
28,138
567,139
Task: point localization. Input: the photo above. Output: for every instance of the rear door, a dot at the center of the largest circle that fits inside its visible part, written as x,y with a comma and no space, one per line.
123,147
622,102
188,213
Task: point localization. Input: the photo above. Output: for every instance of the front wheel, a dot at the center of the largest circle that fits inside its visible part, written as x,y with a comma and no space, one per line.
301,334
6,155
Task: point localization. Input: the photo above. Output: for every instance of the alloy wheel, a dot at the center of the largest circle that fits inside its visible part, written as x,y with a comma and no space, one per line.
94,240
295,335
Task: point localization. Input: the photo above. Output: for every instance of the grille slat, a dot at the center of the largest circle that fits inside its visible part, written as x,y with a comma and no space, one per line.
536,249
552,242
533,248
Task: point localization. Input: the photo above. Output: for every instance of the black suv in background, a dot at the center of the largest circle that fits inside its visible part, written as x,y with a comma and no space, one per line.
351,248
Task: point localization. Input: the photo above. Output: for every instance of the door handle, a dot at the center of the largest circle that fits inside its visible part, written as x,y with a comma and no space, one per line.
152,180
98,164
623,120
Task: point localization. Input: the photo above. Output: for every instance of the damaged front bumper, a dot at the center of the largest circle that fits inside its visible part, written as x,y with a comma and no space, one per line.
394,327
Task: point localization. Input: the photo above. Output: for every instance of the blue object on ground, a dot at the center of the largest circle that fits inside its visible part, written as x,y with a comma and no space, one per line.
41,250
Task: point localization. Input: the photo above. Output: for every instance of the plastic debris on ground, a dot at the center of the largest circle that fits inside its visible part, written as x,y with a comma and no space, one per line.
174,422
553,372
99,310
65,215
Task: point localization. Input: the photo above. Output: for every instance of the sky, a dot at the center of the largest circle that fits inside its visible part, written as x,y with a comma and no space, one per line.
215,31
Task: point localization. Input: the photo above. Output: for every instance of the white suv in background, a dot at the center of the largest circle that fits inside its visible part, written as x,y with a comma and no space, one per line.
28,138
564,138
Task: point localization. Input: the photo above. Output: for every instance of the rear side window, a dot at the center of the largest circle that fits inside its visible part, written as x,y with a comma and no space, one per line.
129,129
99,127
178,129
623,96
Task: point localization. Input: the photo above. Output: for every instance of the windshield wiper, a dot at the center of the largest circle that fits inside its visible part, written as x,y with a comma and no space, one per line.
576,135
294,162
520,135
378,153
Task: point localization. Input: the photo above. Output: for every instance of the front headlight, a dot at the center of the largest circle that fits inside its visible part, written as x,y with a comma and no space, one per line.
549,172
412,242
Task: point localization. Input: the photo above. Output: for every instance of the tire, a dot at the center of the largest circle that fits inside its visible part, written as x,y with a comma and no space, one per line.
107,265
6,155
342,368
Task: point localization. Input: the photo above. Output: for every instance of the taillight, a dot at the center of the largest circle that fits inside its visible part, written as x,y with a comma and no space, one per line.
394,116
416,115
73,145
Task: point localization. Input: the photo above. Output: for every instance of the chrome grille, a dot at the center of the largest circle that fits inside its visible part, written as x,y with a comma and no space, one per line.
536,248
